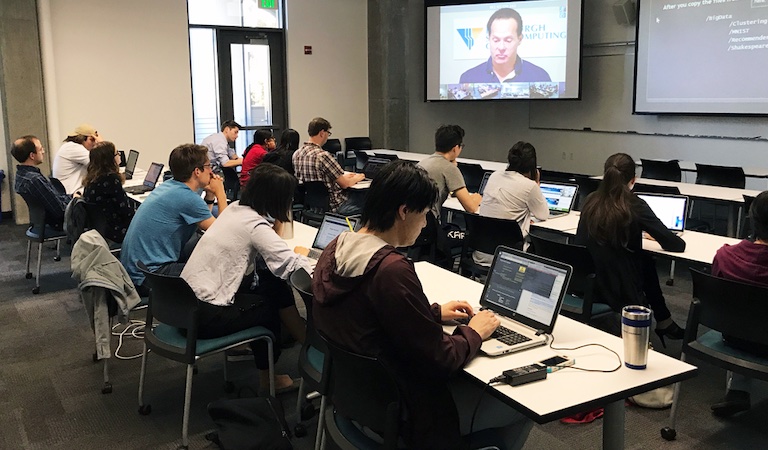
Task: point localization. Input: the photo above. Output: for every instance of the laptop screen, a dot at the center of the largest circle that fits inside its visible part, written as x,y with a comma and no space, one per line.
526,288
559,196
670,209
130,165
486,175
332,226
153,174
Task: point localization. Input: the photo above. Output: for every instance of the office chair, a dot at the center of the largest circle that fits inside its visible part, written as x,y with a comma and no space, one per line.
578,303
724,176
332,146
587,185
473,175
355,145
312,358
361,159
484,234
40,232
173,303
554,175
661,170
726,308
316,203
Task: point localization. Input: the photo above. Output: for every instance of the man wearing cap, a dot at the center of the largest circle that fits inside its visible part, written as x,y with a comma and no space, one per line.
71,162
219,151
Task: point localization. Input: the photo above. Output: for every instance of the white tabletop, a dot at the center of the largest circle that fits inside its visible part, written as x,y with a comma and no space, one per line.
702,191
411,156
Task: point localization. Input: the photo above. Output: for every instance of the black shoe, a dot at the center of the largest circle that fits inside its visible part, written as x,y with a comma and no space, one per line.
734,402
673,331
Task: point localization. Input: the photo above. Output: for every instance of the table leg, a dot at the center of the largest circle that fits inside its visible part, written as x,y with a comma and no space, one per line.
613,426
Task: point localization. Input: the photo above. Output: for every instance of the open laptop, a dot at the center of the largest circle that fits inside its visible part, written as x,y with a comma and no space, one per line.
130,165
559,197
526,292
153,174
332,226
671,209
370,170
483,182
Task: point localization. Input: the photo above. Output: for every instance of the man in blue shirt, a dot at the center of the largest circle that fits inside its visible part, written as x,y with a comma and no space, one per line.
505,33
169,217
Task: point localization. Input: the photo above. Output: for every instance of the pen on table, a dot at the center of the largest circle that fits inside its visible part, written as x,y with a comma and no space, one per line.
351,228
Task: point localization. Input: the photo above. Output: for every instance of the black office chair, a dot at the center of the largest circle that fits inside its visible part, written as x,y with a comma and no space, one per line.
587,185
40,232
473,175
231,183
484,234
653,189
745,225
316,203
561,177
361,158
661,170
361,390
173,303
123,161
725,308
578,303
332,146
353,146
312,358
724,176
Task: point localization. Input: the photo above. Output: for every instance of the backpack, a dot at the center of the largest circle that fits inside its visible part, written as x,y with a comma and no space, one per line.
249,423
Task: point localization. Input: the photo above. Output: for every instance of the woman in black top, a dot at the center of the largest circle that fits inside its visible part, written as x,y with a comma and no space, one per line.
613,223
104,188
283,155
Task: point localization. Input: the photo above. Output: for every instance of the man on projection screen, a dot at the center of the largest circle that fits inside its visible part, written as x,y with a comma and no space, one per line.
504,37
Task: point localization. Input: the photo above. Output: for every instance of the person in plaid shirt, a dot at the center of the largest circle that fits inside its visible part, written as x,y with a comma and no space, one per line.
31,183
312,163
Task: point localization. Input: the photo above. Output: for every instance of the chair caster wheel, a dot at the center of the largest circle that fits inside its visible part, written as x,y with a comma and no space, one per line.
670,282
668,434
300,431
95,357
307,411
36,290
57,258
229,387
145,410
107,389
28,275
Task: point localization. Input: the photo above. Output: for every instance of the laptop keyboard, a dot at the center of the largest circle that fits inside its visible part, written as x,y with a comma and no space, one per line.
509,337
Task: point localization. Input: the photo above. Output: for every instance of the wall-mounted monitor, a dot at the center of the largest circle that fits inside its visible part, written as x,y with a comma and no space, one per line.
520,50
702,57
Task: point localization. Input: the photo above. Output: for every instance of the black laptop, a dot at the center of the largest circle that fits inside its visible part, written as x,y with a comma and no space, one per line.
150,181
130,165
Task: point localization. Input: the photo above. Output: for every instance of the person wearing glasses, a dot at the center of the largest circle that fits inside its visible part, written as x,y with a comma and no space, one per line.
263,142
103,187
71,161
312,163
171,214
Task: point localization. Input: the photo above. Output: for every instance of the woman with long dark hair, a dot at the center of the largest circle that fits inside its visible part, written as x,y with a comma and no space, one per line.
283,155
103,185
613,223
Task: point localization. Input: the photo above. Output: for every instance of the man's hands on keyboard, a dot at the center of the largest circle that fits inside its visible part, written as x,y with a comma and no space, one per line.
484,322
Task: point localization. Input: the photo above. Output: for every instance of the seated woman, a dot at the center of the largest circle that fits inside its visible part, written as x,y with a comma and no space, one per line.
514,194
245,235
283,155
263,141
103,185
368,299
612,225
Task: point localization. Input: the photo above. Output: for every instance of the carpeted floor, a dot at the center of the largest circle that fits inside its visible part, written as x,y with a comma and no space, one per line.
50,388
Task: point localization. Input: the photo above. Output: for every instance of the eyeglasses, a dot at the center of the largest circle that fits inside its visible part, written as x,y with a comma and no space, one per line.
461,146
208,165
329,132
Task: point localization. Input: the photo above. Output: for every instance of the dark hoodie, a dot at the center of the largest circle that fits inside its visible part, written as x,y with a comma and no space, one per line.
746,262
368,299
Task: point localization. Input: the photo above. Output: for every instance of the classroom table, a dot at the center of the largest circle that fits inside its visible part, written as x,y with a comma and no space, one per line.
416,157
690,166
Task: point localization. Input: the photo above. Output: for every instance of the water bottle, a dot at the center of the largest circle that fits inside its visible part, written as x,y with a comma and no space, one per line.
635,331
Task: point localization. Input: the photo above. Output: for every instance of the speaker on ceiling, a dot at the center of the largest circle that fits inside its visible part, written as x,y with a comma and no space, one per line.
625,12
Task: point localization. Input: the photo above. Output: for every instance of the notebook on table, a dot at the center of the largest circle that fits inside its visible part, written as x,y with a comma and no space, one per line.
559,197
130,164
150,181
332,226
526,292
671,209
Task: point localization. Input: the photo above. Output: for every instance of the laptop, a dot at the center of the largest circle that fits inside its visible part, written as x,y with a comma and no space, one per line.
130,165
372,167
526,292
559,197
332,226
484,181
671,209
153,174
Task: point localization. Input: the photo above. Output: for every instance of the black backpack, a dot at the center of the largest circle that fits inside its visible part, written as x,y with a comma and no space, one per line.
249,423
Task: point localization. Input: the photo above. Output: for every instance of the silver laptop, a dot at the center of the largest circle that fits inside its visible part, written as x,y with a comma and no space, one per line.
332,226
559,197
130,165
526,292
484,181
671,209
150,181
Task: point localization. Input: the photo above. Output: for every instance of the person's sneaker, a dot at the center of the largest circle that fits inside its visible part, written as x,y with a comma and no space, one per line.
241,353
734,402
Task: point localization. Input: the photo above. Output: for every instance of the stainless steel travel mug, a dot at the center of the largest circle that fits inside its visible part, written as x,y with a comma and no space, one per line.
635,331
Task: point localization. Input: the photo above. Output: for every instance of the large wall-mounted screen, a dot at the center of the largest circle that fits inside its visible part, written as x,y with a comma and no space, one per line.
503,50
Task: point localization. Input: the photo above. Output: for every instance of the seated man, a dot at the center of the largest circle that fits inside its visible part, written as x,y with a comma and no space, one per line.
312,163
368,299
220,153
30,183
169,217
746,262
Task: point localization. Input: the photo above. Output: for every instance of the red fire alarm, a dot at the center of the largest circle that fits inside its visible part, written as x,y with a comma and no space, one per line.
307,49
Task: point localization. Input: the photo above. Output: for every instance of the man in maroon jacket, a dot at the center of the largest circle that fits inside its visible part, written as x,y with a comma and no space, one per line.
369,300
746,262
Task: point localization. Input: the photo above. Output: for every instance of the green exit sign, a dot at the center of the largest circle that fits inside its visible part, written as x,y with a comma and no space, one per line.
268,4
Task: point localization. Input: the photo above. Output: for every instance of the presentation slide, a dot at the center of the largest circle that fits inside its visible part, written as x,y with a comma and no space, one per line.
702,57
504,50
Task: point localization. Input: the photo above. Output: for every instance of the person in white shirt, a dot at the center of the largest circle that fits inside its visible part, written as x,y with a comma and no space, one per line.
71,162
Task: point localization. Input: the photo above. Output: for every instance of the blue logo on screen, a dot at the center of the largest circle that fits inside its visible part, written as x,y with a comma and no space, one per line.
470,35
